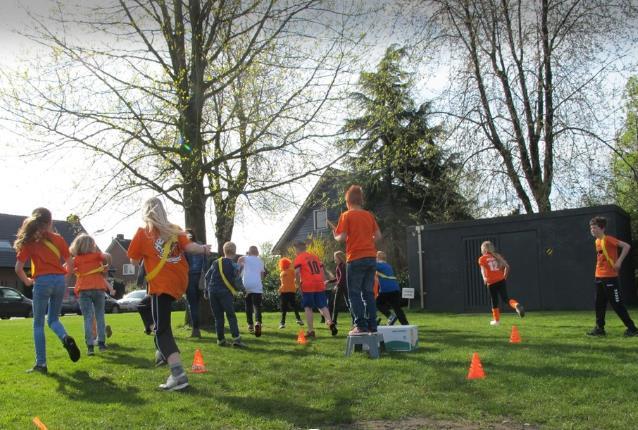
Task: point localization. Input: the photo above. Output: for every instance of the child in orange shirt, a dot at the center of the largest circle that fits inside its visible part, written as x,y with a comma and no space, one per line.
495,269
161,245
359,229
89,265
287,290
309,277
608,264
36,241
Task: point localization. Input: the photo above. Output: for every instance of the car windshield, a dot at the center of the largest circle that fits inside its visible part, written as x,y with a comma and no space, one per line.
139,294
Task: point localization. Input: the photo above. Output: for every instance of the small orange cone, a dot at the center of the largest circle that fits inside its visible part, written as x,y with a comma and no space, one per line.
198,362
301,338
476,369
39,424
515,337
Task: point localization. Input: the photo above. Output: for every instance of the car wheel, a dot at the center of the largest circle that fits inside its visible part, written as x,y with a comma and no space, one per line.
4,317
115,310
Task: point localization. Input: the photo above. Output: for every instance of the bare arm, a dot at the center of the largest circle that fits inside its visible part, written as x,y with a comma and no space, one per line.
298,277
377,235
624,250
484,275
196,248
108,260
19,268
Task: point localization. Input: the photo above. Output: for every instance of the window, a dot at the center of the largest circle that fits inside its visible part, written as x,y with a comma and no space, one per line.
320,219
5,244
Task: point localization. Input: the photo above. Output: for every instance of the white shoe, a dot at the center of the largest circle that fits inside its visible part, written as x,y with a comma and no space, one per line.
175,383
281,326
494,322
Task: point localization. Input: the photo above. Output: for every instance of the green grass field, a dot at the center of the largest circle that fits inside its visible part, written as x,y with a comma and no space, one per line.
557,378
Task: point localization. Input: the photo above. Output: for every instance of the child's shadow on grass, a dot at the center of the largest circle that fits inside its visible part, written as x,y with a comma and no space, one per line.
81,386
297,414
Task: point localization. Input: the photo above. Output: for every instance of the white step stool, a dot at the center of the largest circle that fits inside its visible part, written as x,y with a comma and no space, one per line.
372,341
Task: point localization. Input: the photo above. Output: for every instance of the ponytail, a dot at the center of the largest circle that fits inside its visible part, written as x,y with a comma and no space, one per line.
32,228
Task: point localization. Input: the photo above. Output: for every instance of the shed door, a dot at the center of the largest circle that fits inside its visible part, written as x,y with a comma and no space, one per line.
520,249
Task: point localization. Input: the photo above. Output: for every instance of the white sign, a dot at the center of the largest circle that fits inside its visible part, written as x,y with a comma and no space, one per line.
407,293
128,269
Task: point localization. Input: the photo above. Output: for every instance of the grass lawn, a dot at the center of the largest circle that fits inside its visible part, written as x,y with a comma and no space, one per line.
557,378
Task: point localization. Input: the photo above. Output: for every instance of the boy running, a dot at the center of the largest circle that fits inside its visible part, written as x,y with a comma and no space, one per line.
608,263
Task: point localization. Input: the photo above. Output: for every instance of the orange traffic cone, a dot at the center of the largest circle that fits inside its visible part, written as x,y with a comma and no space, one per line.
515,337
198,362
39,424
476,369
301,338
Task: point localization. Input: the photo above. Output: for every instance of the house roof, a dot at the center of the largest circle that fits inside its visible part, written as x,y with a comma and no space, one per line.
9,225
119,241
326,178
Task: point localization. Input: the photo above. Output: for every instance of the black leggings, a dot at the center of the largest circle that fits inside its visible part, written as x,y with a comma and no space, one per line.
499,289
161,309
287,301
385,301
607,291
340,298
253,302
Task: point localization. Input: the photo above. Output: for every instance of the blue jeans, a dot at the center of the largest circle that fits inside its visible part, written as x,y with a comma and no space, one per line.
360,277
222,302
192,296
48,291
92,304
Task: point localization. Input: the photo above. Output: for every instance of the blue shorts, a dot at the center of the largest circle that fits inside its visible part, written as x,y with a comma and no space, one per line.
314,300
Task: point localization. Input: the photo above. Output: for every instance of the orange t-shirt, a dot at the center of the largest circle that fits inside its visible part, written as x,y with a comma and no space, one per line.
311,271
172,279
84,264
603,268
359,226
287,278
42,258
493,273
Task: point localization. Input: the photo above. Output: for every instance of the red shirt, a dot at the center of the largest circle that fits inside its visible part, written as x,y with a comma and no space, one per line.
603,268
84,264
311,271
43,260
172,279
360,227
493,273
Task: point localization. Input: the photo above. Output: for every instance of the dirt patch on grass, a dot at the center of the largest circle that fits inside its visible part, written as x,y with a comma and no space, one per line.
422,423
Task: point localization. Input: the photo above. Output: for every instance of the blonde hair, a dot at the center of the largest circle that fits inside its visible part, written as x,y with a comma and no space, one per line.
154,216
83,244
381,256
488,246
229,248
32,228
340,256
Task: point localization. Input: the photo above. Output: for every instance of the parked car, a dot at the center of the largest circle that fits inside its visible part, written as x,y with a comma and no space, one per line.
71,305
130,301
14,304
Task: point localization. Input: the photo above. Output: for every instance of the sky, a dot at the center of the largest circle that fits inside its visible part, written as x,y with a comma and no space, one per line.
29,181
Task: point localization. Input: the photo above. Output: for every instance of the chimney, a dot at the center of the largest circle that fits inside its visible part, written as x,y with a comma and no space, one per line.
120,237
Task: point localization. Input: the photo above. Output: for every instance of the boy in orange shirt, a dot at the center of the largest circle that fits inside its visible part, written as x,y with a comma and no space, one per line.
495,269
608,264
359,229
287,290
309,276
162,245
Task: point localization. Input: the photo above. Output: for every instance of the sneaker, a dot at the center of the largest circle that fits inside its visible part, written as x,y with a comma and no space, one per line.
357,332
282,326
299,322
257,329
196,333
310,334
393,318
494,322
221,342
175,383
520,310
90,350
597,331
102,346
333,328
38,369
72,348
237,343
251,328
630,332
108,331
159,359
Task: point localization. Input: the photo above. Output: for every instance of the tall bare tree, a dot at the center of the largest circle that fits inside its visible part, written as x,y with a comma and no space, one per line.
179,94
